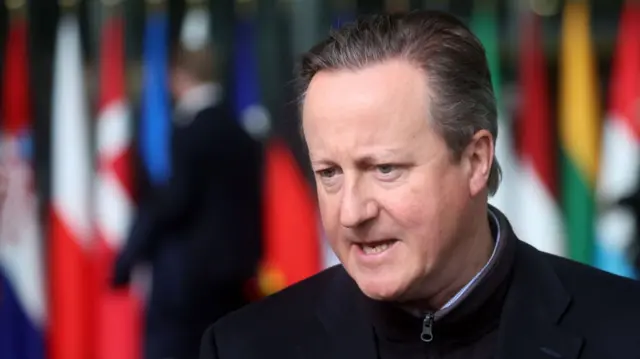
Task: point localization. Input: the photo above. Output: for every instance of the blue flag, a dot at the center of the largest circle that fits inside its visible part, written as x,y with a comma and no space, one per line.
253,117
247,92
156,125
341,19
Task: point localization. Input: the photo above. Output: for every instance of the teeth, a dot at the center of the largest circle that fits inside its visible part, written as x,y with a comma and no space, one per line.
368,249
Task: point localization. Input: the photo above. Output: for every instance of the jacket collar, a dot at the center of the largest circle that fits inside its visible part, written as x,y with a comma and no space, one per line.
474,310
345,321
534,306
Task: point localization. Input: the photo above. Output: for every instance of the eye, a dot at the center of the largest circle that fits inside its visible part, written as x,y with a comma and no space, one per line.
329,176
327,172
388,172
386,169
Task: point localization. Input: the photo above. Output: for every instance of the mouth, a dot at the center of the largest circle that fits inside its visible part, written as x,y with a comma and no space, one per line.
376,247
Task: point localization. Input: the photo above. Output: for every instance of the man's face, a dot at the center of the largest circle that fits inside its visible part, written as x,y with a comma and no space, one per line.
392,198
179,82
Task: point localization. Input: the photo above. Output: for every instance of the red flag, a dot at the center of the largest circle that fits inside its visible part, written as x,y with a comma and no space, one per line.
16,116
292,244
118,311
70,229
538,185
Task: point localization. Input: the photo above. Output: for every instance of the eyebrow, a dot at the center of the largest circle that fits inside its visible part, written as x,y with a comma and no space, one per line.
363,160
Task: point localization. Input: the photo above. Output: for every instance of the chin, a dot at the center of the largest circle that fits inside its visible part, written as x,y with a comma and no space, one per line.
381,287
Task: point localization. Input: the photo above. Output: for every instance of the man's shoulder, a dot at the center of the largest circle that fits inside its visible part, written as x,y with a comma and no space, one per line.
295,304
597,286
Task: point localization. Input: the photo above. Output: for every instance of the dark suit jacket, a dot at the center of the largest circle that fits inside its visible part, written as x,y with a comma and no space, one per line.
554,308
202,229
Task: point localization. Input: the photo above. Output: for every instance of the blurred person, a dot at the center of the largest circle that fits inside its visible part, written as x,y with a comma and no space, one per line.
201,230
399,117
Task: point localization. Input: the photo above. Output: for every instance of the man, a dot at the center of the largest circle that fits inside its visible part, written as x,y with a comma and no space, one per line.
399,118
201,230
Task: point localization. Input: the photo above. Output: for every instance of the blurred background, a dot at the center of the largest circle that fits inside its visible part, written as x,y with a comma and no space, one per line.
86,121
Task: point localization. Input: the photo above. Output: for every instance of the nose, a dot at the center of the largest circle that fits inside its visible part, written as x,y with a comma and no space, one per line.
356,207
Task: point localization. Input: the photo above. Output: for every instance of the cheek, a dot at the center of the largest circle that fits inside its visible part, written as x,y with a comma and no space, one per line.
423,211
418,202
329,215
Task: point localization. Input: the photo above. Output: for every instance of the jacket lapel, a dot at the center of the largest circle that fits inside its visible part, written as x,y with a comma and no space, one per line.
347,332
534,305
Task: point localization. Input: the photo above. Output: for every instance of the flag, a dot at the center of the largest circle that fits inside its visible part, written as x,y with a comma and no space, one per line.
155,128
253,116
618,175
343,17
484,23
119,311
292,245
22,297
291,238
538,180
579,130
70,236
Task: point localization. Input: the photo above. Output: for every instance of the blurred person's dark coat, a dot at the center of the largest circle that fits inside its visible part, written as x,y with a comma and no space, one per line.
201,231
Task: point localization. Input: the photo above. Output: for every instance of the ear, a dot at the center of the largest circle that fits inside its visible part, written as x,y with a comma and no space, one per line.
479,156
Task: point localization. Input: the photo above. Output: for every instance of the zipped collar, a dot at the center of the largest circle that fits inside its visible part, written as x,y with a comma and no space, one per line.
393,322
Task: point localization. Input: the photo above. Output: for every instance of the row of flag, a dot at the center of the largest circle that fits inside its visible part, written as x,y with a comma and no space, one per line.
569,207
92,204
55,284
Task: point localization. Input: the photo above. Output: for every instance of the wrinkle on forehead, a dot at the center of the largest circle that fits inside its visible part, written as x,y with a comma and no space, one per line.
378,108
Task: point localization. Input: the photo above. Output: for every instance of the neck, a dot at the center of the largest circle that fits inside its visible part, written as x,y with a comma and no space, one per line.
468,258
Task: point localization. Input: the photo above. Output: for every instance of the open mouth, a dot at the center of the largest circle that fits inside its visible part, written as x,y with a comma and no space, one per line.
376,247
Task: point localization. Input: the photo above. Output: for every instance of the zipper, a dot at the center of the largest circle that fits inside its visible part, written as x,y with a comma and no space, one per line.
427,328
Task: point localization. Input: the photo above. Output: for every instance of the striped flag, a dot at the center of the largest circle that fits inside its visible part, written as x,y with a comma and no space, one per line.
119,311
618,176
22,297
484,23
71,336
291,242
579,130
155,128
538,180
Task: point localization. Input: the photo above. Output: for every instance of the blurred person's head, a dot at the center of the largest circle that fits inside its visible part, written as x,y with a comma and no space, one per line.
399,116
191,68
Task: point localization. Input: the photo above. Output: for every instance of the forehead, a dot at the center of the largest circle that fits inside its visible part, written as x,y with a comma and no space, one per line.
382,102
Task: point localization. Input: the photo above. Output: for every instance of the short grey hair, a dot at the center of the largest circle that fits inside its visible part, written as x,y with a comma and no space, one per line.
463,101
